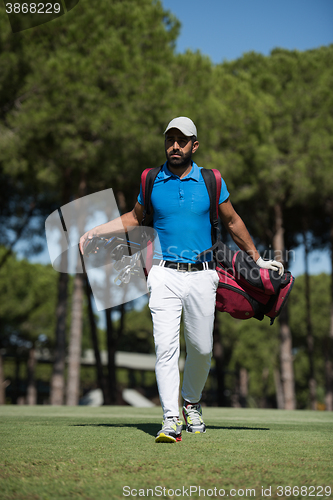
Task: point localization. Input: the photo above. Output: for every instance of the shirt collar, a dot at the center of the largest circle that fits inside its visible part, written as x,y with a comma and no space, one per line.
194,173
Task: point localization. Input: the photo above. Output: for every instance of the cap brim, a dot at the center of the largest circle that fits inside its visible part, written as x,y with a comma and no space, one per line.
183,130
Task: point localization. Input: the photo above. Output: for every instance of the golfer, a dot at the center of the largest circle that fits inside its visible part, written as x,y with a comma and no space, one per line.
180,203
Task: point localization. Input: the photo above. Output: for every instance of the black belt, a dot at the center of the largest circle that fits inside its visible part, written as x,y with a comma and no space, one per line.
184,266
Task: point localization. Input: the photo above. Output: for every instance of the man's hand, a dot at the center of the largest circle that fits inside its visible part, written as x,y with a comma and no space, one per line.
274,265
86,240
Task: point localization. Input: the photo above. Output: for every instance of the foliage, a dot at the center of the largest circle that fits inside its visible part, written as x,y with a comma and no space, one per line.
28,297
320,313
84,101
257,349
138,332
255,345
293,154
91,82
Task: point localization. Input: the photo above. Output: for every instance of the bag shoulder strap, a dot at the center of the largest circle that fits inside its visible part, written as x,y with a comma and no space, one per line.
148,177
213,181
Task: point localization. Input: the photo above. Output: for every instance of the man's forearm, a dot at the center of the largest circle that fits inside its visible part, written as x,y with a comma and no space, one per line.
242,238
116,226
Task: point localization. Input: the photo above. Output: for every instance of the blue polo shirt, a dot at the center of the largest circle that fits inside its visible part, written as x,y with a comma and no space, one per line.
181,214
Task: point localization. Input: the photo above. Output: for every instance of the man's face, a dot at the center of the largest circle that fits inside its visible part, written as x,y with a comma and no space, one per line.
179,148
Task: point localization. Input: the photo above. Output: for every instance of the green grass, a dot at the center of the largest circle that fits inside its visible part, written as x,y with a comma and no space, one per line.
92,453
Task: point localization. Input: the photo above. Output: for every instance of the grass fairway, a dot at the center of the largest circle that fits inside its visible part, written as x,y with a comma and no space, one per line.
110,453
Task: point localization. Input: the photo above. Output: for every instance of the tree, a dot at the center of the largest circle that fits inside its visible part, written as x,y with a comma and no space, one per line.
256,350
69,109
28,293
290,85
319,310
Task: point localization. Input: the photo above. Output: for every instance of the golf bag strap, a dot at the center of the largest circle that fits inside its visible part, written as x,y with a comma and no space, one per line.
212,178
148,177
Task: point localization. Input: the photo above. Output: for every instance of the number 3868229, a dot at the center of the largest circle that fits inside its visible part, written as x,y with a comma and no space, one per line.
33,8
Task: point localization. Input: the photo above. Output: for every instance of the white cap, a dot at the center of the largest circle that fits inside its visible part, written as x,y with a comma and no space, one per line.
185,125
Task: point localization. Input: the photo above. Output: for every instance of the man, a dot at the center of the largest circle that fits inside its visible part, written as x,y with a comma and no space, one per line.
177,284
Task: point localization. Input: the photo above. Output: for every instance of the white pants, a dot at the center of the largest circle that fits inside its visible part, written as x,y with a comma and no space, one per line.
172,292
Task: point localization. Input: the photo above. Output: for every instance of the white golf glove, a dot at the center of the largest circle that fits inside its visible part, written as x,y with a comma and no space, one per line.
274,265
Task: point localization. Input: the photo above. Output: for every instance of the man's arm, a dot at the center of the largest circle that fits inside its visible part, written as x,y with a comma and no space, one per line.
242,238
116,226
237,229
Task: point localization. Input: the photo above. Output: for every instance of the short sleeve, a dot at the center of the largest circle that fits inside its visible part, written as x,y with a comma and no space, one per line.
224,195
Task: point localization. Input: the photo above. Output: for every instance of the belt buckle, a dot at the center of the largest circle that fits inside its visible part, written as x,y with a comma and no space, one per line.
183,270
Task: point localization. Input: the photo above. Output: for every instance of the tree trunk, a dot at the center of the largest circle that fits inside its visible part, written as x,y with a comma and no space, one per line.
265,375
122,321
234,399
58,380
329,339
2,382
328,374
75,340
17,382
243,387
286,358
31,391
278,389
218,355
309,330
111,345
94,338
74,352
57,386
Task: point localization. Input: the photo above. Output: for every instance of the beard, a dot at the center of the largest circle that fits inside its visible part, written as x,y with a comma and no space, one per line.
181,161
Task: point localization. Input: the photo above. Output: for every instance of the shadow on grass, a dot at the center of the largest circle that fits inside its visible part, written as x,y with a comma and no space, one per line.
152,429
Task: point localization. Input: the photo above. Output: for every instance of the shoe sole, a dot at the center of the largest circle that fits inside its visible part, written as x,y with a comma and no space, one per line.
196,432
163,438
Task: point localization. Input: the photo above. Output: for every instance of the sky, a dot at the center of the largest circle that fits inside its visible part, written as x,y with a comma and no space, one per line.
224,30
